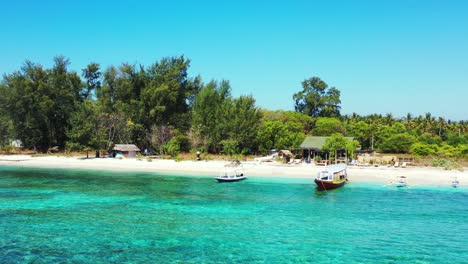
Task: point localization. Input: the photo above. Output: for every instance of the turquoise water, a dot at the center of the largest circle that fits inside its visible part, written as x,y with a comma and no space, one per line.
60,216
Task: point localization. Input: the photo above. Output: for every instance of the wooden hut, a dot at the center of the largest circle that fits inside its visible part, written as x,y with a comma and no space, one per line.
128,150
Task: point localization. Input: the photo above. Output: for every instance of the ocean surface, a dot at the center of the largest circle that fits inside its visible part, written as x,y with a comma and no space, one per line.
70,216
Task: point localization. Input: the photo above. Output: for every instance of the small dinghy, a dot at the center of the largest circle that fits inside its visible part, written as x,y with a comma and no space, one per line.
231,175
455,182
232,172
401,181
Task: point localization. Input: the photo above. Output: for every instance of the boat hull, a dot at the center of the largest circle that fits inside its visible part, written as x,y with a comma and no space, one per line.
219,179
328,185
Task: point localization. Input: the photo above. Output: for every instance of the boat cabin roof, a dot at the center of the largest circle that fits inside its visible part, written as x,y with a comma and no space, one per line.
335,168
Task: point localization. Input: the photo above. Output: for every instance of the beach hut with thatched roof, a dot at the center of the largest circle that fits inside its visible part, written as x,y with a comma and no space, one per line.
128,150
312,147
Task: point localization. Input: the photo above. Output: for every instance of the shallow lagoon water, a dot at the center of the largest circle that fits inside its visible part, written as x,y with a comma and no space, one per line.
56,216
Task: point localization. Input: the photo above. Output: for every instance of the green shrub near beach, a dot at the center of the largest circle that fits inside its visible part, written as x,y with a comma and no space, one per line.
423,149
447,164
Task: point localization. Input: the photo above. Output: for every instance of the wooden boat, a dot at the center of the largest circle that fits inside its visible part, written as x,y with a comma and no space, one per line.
232,175
332,177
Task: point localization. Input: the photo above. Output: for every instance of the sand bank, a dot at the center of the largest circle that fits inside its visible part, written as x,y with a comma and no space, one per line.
416,176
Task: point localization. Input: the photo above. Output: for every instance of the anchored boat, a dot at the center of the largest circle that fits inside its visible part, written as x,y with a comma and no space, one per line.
401,181
455,182
332,177
231,175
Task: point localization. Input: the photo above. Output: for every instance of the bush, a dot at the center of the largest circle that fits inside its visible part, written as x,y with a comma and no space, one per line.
230,147
184,142
7,149
423,149
449,151
429,138
172,147
463,150
73,146
399,143
445,163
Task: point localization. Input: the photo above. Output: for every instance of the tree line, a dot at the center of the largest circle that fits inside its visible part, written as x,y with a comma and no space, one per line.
161,108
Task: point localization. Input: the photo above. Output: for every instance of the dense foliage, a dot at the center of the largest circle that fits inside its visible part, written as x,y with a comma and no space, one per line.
163,109
317,99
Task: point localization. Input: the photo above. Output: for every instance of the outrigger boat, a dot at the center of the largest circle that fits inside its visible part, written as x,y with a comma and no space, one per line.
332,177
231,175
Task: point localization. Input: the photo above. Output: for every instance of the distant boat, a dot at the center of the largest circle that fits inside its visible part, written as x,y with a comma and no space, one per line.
455,182
231,175
332,177
401,181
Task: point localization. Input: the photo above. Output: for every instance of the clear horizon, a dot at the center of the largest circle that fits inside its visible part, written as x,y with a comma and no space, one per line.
393,57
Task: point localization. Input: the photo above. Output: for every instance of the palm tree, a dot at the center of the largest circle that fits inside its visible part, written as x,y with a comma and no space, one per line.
428,122
442,124
409,121
388,120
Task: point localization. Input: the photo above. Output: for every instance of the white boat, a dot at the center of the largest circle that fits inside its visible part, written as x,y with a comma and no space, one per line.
401,181
455,182
231,175
331,177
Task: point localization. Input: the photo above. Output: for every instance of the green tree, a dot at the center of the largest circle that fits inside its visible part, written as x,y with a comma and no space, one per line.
172,147
242,121
218,117
92,76
279,135
456,138
6,125
41,101
65,89
206,113
169,92
82,131
362,132
317,99
429,138
384,132
423,149
326,126
337,142
289,117
397,143
446,150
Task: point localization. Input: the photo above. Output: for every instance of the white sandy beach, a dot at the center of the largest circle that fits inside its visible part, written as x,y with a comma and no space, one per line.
416,176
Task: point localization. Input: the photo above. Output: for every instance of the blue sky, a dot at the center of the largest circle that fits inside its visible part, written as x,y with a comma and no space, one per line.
385,56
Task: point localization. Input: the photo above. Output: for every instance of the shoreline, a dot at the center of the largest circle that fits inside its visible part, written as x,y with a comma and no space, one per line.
416,176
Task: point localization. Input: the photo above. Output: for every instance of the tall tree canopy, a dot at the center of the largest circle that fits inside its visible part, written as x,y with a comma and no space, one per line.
221,121
317,99
92,76
162,108
41,101
325,126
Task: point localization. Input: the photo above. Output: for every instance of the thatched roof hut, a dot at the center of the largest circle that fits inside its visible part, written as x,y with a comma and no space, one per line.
316,143
129,149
